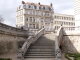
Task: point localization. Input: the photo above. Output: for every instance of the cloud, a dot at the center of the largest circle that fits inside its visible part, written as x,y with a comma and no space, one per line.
8,8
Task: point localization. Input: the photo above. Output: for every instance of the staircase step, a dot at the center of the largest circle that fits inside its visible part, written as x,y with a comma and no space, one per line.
39,59
39,56
43,44
41,47
43,41
40,52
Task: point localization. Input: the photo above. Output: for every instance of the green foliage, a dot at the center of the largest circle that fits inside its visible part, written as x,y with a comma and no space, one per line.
66,56
76,56
5,59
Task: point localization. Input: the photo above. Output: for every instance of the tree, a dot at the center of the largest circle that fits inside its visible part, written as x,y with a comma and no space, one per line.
1,18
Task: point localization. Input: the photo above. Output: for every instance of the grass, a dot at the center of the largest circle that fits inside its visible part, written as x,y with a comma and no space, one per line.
76,56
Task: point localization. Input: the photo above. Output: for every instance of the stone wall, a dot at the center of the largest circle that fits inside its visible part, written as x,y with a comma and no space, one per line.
11,38
71,41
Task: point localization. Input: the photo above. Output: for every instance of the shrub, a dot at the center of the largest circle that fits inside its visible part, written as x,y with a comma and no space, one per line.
66,56
5,59
76,56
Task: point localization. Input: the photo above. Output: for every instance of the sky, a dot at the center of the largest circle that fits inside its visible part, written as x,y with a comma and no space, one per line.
8,8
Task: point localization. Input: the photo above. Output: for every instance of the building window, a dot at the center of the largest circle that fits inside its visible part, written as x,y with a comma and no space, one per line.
64,23
31,12
21,12
26,19
55,17
67,18
72,18
43,8
37,20
69,23
27,12
42,20
49,9
32,6
24,6
33,19
31,26
34,26
37,26
36,12
26,26
18,12
39,7
51,21
20,19
62,18
30,19
44,13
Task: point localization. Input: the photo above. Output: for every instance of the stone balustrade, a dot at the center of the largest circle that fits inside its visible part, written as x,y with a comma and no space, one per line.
8,30
68,39
28,42
71,28
58,40
71,40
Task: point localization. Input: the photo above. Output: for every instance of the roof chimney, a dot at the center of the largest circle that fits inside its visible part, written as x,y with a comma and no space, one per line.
51,4
23,2
39,3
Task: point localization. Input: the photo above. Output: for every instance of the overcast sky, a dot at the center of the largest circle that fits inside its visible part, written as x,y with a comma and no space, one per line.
8,8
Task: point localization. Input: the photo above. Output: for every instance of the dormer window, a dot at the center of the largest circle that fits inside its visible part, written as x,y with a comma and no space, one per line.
35,7
24,6
29,6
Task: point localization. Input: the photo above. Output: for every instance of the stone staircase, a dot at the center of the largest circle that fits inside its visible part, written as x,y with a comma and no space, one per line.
42,49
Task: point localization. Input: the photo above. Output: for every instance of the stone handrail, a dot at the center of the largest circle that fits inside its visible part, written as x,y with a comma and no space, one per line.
58,39
28,42
9,30
71,28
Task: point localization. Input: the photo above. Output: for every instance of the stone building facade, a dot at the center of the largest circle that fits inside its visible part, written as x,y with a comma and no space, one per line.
64,20
36,16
